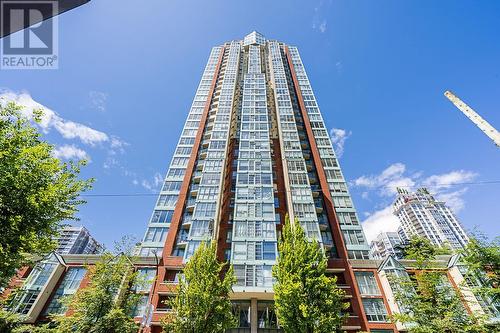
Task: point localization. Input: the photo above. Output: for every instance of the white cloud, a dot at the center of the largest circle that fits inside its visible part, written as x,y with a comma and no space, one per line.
339,136
340,66
117,146
154,184
322,26
71,130
446,180
443,186
110,162
380,221
453,199
98,100
69,152
319,21
387,181
67,128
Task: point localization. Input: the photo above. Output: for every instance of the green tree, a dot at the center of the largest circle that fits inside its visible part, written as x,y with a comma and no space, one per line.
306,299
37,191
8,320
13,322
482,261
105,305
34,329
427,300
422,250
202,302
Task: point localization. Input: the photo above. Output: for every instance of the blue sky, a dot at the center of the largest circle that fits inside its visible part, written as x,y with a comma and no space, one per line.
128,71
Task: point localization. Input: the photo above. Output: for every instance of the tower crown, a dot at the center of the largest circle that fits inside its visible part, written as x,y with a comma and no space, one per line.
254,38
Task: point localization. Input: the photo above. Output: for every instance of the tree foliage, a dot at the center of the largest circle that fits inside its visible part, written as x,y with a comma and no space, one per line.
482,260
37,191
427,300
422,250
13,323
104,305
8,321
306,300
202,302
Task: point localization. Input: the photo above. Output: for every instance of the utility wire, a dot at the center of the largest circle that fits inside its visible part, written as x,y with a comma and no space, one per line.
369,188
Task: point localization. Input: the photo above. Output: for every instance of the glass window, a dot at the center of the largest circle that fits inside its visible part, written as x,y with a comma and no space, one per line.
204,210
191,248
269,252
140,308
207,193
199,228
167,200
155,234
162,216
176,172
172,186
146,276
357,254
240,251
69,286
354,237
210,179
241,310
367,283
375,309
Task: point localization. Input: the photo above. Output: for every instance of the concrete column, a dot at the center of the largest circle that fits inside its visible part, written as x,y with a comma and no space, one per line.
253,315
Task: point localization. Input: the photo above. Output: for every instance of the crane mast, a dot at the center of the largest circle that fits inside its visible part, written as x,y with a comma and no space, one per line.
483,125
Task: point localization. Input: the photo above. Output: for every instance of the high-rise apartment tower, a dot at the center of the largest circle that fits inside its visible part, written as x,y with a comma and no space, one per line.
253,149
386,244
422,215
76,240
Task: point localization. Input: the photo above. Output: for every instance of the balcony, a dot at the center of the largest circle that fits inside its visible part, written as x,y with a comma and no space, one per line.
323,225
197,177
319,207
187,220
203,153
194,190
182,239
328,243
315,190
190,204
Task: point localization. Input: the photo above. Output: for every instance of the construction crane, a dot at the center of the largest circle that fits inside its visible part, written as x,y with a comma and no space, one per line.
483,125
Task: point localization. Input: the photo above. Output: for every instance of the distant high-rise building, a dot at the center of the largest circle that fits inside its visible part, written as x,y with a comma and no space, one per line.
421,214
385,244
76,240
253,149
